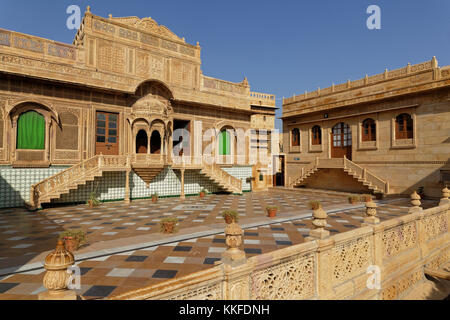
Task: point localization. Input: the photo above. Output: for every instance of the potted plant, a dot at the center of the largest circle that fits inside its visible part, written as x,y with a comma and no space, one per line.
154,197
314,205
353,199
230,216
93,200
271,211
73,239
203,193
168,225
366,198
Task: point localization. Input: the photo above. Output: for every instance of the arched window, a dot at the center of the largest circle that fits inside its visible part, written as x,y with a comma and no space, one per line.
295,138
31,131
403,126
316,135
224,143
369,130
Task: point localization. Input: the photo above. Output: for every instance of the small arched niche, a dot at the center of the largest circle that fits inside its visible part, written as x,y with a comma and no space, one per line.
142,142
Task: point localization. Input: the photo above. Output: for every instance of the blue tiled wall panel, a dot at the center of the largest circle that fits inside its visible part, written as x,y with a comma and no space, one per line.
15,184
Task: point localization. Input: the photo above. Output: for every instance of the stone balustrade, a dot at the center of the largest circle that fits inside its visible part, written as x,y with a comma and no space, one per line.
333,267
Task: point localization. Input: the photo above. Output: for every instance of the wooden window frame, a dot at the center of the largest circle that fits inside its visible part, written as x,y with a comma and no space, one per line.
316,135
369,130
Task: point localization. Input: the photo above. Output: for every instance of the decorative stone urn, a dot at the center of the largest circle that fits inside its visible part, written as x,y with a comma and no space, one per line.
371,213
233,255
56,277
319,223
445,196
415,202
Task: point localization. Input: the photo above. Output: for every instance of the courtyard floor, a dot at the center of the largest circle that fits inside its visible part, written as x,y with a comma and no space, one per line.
126,250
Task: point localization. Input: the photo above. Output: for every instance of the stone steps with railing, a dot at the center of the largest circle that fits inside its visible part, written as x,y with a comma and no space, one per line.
361,174
63,182
222,178
146,166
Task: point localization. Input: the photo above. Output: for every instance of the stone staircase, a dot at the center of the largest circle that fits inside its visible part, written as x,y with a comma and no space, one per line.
368,179
70,179
224,180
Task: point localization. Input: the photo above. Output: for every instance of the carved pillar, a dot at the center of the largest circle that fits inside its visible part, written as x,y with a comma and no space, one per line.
127,186
324,281
182,196
56,277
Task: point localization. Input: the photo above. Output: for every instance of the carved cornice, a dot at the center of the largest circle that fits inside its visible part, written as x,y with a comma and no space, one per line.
147,25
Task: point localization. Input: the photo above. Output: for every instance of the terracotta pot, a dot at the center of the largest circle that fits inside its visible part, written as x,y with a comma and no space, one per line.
71,244
229,219
271,213
91,203
154,199
202,194
169,227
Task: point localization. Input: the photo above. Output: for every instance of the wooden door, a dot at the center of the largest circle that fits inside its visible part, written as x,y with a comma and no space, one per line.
107,133
341,141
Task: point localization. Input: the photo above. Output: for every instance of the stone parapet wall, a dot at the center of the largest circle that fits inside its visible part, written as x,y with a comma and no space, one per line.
336,267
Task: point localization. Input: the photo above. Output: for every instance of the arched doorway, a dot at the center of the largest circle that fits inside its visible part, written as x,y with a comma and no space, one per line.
155,143
142,142
341,141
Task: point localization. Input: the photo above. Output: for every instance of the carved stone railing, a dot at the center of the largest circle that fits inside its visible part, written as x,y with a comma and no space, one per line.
217,172
74,174
263,99
149,159
393,254
367,176
387,75
310,167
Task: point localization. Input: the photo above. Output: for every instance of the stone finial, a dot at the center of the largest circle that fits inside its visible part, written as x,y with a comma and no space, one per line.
88,9
245,82
445,196
56,277
415,202
371,213
434,62
198,44
319,223
233,255
110,16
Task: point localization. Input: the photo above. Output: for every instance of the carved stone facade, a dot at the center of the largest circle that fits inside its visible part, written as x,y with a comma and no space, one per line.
121,77
395,126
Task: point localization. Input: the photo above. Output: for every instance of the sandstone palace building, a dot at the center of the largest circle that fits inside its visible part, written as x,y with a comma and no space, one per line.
100,115
384,134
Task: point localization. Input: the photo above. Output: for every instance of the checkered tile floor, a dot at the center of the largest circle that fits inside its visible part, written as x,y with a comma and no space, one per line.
110,275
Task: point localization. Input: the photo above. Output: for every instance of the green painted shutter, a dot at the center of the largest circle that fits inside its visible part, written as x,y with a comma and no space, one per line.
31,131
224,143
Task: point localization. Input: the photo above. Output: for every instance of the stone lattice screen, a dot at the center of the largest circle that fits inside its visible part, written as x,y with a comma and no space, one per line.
332,268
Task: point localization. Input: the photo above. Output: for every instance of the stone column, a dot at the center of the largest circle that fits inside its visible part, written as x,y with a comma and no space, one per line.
127,186
56,277
182,196
415,202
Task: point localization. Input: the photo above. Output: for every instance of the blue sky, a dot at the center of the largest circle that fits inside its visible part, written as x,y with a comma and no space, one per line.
282,47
